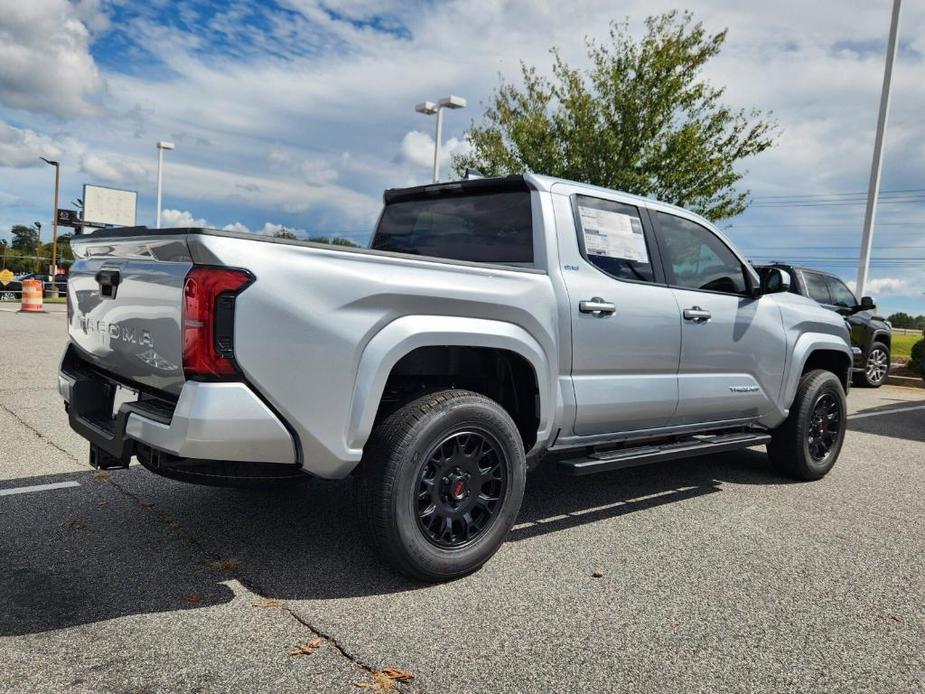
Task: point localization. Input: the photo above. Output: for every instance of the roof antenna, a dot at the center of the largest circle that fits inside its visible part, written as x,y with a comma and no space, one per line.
472,174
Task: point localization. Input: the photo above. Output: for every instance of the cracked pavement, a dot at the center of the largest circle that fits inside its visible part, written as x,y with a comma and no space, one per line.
715,575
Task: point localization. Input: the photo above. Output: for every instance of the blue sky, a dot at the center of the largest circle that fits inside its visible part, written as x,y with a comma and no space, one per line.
300,112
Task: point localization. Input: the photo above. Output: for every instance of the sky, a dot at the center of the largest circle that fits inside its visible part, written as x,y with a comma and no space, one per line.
299,113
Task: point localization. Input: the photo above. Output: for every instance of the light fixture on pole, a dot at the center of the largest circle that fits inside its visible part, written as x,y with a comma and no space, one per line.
54,223
429,108
161,146
873,190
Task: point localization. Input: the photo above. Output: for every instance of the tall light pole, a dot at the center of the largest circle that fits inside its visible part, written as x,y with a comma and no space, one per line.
429,108
873,189
161,146
54,222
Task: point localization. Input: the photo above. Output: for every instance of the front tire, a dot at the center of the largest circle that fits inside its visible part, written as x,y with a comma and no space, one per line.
876,367
441,483
807,444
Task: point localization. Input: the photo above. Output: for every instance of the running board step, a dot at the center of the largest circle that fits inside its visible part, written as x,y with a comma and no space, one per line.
606,461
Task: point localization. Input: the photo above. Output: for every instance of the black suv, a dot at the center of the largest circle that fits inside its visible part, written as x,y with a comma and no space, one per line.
871,335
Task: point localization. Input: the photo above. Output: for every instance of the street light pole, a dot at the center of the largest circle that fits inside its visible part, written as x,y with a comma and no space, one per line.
161,146
54,219
437,137
873,189
429,108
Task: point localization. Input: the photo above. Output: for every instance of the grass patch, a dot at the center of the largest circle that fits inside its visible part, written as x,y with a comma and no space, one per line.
58,300
902,345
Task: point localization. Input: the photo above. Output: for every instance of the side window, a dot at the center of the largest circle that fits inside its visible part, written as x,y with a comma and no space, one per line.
612,239
698,259
816,287
841,295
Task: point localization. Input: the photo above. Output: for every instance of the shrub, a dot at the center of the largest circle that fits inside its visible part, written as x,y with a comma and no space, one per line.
917,356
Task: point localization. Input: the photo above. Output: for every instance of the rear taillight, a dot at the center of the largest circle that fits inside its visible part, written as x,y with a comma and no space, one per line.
208,321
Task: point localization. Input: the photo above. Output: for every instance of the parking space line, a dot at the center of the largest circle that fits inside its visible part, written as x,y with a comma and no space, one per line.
38,488
892,410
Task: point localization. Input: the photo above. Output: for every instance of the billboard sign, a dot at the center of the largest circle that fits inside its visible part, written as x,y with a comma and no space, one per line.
104,207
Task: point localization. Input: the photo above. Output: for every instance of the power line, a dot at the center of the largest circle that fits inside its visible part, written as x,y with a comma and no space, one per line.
821,224
838,203
832,195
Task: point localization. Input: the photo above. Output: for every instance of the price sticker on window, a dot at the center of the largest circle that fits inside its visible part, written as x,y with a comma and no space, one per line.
613,234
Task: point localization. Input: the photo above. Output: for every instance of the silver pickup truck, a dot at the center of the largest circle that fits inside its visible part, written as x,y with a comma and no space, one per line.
488,322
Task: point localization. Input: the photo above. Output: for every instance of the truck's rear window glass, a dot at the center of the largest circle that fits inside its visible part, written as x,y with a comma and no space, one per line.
483,228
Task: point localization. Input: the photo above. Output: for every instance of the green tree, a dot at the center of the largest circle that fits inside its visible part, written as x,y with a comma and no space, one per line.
283,233
640,119
24,238
901,320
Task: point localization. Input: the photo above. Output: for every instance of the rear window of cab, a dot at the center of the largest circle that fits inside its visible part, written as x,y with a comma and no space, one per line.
490,226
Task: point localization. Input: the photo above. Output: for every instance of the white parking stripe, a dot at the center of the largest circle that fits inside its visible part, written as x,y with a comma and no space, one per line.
892,410
38,488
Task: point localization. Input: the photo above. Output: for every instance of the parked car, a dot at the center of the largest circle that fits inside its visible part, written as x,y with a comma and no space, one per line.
49,283
11,291
490,321
871,334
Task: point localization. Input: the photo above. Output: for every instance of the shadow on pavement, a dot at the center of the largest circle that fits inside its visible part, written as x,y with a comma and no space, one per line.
85,554
138,543
893,422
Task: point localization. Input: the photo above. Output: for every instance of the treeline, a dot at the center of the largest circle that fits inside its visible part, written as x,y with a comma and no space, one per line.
26,253
904,320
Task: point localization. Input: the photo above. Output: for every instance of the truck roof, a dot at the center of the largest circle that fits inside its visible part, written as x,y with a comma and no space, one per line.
538,182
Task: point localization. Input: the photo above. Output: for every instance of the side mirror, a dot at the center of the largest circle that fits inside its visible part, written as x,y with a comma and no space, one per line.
867,303
774,281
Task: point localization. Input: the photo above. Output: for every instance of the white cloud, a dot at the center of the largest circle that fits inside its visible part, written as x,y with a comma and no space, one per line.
114,169
180,218
417,148
21,147
238,227
887,286
312,170
45,61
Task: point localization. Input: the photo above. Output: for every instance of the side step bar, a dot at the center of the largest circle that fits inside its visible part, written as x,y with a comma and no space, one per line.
606,461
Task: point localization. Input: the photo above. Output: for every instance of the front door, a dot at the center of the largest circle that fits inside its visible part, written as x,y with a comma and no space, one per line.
626,332
733,346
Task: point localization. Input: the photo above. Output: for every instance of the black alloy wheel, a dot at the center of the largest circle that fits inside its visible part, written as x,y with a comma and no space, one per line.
460,488
824,427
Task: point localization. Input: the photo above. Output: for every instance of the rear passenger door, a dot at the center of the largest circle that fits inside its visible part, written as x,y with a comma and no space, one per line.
733,345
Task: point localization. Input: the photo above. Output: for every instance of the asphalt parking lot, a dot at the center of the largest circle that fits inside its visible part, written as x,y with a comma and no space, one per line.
717,575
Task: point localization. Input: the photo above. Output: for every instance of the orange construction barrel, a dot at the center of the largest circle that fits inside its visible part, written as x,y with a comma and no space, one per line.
31,297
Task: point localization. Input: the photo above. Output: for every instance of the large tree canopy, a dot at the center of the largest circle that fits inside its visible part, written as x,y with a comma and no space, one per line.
640,119
24,238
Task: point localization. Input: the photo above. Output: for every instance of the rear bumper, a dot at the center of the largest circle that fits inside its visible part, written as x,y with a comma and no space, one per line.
209,421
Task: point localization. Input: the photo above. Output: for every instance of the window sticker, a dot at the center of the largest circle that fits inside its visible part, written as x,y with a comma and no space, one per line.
613,234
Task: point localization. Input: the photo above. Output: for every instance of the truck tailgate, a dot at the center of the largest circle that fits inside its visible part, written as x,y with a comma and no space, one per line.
125,304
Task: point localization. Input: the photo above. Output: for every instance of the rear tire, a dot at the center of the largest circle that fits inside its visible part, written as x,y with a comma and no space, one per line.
441,483
876,367
807,444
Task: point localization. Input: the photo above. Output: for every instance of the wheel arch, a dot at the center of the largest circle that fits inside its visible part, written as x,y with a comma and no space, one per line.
884,337
431,339
817,351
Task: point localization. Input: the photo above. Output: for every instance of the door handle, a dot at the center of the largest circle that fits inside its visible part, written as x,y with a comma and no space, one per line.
697,314
596,306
